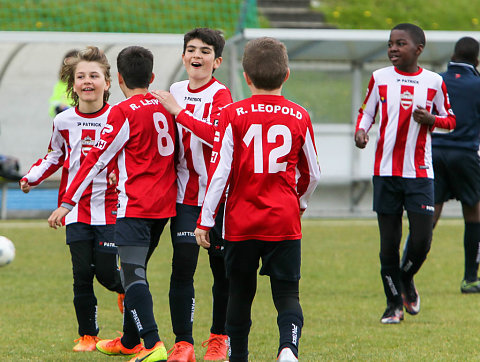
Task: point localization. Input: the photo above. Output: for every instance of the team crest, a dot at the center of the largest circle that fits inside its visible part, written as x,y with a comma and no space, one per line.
406,100
87,144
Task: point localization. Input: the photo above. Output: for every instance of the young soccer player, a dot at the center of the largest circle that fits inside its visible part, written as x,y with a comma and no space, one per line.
455,155
404,95
196,104
140,136
90,225
265,153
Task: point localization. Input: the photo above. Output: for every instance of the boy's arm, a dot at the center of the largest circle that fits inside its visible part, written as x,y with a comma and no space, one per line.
444,118
308,168
366,115
44,168
113,138
203,129
218,175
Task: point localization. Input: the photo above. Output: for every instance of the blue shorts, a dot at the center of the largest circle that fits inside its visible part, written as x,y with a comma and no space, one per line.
132,231
393,194
101,235
183,225
457,175
280,259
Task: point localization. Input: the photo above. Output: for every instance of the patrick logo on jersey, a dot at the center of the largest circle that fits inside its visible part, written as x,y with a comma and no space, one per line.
406,99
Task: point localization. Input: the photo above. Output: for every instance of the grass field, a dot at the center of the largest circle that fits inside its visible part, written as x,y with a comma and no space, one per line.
341,296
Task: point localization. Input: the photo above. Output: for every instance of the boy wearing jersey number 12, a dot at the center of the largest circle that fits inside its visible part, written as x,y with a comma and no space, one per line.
264,152
405,96
196,104
140,136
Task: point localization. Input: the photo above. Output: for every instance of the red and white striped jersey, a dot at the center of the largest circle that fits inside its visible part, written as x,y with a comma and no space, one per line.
265,153
74,134
404,146
140,135
196,129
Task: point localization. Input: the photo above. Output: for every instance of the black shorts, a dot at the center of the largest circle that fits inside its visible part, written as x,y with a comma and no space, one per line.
132,231
183,225
393,194
280,259
101,235
457,175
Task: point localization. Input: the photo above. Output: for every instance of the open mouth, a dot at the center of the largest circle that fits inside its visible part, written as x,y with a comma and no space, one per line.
87,89
196,65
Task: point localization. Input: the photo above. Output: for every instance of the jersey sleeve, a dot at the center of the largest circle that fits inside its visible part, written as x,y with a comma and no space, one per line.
219,173
205,130
53,160
368,110
444,119
112,139
308,168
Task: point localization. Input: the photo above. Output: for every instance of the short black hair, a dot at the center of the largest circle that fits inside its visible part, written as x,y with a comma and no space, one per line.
135,65
208,36
417,34
466,50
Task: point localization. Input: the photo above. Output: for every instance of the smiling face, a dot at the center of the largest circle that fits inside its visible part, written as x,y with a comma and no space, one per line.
403,52
90,84
200,62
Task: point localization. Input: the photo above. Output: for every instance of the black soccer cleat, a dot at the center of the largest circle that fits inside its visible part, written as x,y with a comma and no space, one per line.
392,315
411,299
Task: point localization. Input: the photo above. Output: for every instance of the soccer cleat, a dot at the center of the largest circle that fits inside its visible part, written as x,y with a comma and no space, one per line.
86,343
181,352
217,347
120,299
115,347
470,287
286,355
411,299
156,354
392,315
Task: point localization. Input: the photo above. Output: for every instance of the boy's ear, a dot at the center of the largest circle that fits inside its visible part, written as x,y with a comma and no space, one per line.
217,62
247,78
120,79
419,50
287,76
152,78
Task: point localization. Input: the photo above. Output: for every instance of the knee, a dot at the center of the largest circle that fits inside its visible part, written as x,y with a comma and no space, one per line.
184,262
132,274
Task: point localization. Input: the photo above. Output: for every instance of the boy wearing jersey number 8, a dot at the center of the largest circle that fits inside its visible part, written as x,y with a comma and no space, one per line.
404,95
90,225
196,104
265,153
138,129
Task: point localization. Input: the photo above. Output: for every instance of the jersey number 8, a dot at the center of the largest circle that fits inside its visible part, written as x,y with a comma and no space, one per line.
164,141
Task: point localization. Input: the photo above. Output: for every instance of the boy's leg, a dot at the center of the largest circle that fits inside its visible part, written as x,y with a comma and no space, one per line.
390,226
219,294
418,246
281,261
241,260
184,263
84,299
133,237
106,259
80,238
471,239
290,316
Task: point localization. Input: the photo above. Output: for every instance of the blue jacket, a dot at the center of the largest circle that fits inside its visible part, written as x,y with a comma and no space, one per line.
463,86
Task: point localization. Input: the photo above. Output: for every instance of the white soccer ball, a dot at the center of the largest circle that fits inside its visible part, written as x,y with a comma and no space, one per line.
7,251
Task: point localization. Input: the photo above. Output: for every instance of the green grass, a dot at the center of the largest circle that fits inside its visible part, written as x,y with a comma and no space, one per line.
374,14
341,296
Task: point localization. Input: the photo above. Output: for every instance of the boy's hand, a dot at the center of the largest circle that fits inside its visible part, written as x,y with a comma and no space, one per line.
168,101
24,186
361,138
422,116
112,178
203,239
55,219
